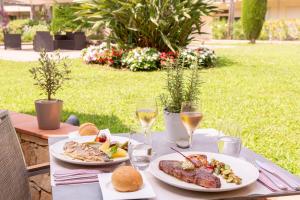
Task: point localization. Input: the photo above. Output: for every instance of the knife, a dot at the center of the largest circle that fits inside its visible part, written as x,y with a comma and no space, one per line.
275,172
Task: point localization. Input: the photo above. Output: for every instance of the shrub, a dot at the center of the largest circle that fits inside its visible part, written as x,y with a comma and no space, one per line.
281,30
141,59
167,58
16,26
219,29
203,57
238,33
103,55
161,24
30,31
253,17
146,59
63,18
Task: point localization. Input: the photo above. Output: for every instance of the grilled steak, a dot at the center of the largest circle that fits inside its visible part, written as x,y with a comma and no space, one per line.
198,176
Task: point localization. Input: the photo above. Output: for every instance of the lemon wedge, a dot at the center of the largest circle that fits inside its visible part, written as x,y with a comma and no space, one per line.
105,146
119,154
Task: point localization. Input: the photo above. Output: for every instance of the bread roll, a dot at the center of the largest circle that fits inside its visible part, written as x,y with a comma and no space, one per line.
88,129
126,179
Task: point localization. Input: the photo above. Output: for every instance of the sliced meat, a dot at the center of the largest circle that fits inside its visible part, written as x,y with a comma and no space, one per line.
84,152
198,176
199,160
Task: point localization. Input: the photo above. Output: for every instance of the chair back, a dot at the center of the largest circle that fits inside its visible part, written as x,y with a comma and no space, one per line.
14,183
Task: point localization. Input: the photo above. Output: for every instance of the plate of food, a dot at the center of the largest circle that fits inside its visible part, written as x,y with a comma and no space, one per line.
204,171
98,149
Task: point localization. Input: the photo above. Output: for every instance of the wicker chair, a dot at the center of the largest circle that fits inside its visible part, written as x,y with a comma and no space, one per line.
14,174
43,40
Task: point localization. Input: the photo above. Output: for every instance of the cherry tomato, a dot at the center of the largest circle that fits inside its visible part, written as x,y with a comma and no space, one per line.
101,137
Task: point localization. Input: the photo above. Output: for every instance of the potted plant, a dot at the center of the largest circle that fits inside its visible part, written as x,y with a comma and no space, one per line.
49,76
182,85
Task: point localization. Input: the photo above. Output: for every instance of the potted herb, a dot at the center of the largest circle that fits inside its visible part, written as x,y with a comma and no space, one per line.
49,76
182,85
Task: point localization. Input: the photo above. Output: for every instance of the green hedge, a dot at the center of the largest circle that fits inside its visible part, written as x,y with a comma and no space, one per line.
220,30
272,30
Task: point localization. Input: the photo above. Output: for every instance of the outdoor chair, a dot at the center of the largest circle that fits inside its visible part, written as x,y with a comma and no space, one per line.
70,41
43,40
79,40
14,183
12,41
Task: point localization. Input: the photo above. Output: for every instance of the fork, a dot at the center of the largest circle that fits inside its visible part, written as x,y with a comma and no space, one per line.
269,176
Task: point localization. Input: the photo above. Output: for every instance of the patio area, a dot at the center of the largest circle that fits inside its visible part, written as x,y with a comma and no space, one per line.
28,54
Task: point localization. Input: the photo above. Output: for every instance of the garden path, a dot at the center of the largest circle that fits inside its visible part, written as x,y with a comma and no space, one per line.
28,54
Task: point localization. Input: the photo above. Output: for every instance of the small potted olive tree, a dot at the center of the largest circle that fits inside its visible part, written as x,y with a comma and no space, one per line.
49,76
182,85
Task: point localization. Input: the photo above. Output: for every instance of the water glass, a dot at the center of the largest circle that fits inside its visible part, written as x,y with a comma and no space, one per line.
229,141
140,150
230,145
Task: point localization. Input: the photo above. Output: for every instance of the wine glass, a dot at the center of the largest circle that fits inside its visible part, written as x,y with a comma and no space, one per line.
146,113
190,117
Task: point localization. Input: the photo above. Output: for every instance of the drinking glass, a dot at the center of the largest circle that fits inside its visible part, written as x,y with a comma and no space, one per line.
146,113
140,153
190,117
139,150
229,141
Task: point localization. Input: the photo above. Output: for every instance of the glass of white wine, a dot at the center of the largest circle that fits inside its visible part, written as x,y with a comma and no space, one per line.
190,117
146,113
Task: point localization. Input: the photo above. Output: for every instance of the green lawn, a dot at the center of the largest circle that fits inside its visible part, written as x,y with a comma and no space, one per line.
257,86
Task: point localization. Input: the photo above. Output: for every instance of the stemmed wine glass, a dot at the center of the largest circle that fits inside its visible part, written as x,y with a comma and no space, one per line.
190,117
146,113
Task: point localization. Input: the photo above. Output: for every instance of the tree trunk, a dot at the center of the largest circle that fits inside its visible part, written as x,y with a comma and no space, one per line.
230,20
252,41
2,11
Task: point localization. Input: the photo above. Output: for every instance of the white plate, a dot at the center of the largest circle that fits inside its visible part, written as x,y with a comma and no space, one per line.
109,193
57,151
241,168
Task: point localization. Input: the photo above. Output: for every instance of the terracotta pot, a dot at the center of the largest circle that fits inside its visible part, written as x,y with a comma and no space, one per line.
174,127
48,113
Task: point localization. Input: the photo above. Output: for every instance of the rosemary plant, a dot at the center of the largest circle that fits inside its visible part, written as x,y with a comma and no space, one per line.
181,85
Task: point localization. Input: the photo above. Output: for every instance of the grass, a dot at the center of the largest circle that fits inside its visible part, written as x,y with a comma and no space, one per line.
257,86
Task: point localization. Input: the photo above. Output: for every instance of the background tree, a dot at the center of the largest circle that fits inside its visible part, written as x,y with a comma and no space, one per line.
3,17
63,18
253,17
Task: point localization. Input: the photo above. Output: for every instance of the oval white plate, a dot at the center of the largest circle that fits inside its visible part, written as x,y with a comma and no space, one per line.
243,169
57,151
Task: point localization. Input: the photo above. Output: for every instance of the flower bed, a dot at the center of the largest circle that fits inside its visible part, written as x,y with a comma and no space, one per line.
146,59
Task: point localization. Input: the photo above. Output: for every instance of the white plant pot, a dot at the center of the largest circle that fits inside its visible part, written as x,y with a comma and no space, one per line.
174,128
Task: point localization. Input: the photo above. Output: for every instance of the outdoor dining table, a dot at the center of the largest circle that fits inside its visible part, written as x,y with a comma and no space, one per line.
204,142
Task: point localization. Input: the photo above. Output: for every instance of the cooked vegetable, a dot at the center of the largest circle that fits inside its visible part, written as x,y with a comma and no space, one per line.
225,171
